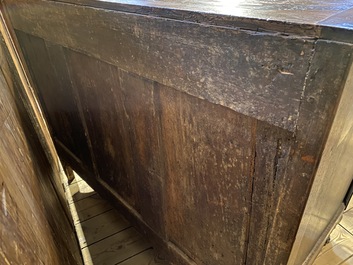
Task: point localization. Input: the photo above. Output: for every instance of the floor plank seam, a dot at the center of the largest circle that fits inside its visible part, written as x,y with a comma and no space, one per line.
346,230
80,199
134,255
88,245
341,263
91,217
102,242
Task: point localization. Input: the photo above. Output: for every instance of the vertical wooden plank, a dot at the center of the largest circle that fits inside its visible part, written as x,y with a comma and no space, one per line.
98,87
49,71
273,146
209,154
142,109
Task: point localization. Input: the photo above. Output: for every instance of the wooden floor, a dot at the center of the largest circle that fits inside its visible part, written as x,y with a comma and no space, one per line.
105,237
340,248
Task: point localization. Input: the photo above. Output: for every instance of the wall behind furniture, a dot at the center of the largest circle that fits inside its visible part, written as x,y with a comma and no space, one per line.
34,228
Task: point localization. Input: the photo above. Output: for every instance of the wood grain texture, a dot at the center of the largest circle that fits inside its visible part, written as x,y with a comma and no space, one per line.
120,115
144,258
118,247
328,19
334,169
33,226
208,166
49,73
206,135
90,207
102,226
270,180
102,113
259,75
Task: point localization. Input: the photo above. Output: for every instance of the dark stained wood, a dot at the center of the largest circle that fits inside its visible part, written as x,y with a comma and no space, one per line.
270,181
299,17
33,225
326,78
259,75
209,137
120,116
49,72
209,154
142,109
103,115
337,154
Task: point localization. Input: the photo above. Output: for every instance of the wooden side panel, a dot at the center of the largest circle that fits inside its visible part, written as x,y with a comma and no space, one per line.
209,153
48,68
104,116
142,112
123,127
33,225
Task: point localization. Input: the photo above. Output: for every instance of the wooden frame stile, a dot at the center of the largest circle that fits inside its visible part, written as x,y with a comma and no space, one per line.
334,162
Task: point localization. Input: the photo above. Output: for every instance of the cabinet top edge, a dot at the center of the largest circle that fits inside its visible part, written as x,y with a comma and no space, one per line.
330,19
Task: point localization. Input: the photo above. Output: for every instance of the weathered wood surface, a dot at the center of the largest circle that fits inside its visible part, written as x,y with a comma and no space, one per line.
335,171
33,226
210,137
49,73
118,247
258,74
308,18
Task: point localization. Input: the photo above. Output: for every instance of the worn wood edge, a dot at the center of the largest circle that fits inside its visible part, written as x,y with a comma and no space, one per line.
319,30
332,119
320,243
275,118
32,105
284,28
